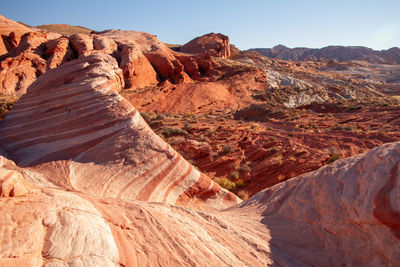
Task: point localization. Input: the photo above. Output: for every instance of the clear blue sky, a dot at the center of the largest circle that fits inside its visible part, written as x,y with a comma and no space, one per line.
249,24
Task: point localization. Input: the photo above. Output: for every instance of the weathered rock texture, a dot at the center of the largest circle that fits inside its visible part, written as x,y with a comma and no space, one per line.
75,131
342,214
216,45
11,33
145,60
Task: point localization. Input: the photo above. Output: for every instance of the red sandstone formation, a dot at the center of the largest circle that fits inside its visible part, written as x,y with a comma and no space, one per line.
145,61
73,121
11,33
216,45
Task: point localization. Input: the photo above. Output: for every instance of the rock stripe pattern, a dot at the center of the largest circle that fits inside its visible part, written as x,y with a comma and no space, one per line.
73,121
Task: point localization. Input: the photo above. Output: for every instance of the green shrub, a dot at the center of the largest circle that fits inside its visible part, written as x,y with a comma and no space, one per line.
243,194
226,149
225,183
234,175
244,168
169,131
333,158
239,183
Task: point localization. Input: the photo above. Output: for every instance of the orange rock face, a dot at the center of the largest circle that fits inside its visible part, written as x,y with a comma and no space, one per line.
316,218
216,45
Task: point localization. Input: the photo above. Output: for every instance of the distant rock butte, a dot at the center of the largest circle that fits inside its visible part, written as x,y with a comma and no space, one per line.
341,53
75,131
214,44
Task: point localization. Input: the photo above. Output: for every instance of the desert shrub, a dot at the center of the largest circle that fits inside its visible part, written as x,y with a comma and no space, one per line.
203,139
6,104
281,177
243,194
273,149
160,117
239,183
225,183
210,132
176,140
234,175
4,109
226,149
187,115
272,138
333,158
345,127
244,168
187,126
169,131
147,116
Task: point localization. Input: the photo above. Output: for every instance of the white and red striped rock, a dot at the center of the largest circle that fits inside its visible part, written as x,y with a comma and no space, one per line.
343,214
77,132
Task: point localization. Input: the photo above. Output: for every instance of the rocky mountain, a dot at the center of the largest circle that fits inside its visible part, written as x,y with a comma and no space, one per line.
340,53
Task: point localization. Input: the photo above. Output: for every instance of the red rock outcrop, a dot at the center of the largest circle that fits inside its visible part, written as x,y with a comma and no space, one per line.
216,45
145,60
22,62
58,52
11,33
82,44
90,130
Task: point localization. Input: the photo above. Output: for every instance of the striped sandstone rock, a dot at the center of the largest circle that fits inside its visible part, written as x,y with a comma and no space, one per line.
75,131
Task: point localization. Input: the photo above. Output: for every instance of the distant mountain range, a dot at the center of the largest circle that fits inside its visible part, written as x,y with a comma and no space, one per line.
340,53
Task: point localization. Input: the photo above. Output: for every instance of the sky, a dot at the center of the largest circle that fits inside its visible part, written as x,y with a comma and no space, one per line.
249,24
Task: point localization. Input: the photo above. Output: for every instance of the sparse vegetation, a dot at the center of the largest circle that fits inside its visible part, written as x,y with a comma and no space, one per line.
225,183
6,104
243,195
333,158
244,168
234,175
226,149
169,131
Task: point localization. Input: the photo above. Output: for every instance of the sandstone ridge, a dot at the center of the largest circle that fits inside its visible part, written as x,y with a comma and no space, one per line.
73,125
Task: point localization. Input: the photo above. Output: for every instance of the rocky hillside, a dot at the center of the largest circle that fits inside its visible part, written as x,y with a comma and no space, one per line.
340,53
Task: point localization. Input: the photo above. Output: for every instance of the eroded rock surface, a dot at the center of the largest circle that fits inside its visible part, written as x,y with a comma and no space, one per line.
81,127
333,216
